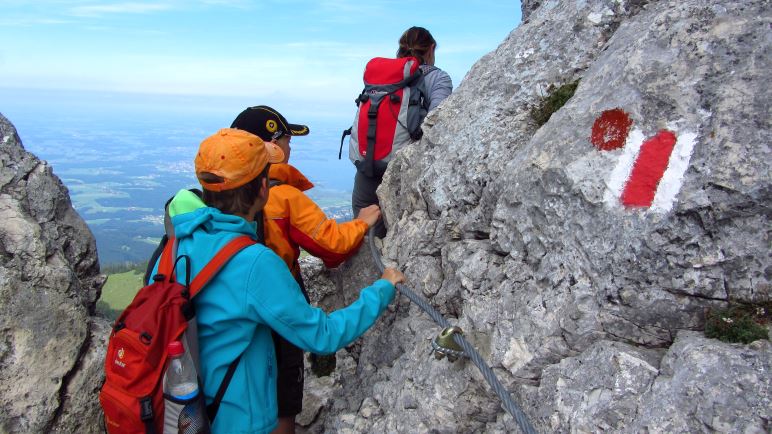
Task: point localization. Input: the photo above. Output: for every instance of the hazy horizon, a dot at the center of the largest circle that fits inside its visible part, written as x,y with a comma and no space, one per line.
121,157
117,95
297,52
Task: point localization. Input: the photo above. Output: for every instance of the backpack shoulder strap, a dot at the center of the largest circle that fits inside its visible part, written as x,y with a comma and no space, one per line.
210,270
214,407
220,259
202,278
168,233
342,137
428,68
154,258
166,264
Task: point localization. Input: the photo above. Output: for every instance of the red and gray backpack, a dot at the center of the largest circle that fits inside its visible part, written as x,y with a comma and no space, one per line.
390,110
132,395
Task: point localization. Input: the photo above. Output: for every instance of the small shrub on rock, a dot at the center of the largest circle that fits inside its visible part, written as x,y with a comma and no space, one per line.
555,99
739,323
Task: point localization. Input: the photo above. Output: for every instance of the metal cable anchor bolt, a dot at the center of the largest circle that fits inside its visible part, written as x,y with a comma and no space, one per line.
444,345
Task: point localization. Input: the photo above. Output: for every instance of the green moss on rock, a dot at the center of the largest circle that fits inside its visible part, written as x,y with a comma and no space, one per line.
555,99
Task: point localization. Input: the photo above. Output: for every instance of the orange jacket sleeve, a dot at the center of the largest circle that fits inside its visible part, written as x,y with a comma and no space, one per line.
324,238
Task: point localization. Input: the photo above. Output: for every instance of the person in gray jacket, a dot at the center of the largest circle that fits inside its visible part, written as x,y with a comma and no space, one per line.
418,42
415,42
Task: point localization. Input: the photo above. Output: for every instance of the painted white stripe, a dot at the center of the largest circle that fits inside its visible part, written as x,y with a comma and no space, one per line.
671,181
620,174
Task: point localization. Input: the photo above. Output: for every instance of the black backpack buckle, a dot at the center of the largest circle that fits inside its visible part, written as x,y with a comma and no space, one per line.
146,408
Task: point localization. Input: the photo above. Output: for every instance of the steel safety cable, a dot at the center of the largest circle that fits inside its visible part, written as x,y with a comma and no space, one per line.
487,372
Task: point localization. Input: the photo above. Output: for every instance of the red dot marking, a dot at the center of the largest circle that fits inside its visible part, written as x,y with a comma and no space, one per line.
610,129
648,169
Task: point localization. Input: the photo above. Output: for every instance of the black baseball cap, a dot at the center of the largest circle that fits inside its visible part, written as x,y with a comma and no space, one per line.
267,123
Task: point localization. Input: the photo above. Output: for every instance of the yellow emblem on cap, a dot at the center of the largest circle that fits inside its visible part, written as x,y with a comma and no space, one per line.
271,126
301,132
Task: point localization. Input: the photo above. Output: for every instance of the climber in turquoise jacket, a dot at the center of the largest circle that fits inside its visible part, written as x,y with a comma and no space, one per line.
254,292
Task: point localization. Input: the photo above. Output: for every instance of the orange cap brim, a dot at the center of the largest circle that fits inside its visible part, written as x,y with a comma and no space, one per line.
236,156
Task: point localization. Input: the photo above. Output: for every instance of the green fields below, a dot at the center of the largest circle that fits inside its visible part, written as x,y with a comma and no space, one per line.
118,292
122,286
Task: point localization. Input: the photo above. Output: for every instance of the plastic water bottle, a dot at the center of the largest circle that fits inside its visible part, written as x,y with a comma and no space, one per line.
185,411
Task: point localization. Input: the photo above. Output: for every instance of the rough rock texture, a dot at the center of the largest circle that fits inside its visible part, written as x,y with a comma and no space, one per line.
514,232
528,6
616,387
589,311
50,361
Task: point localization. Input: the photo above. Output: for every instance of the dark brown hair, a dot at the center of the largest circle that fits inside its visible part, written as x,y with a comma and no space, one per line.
235,201
416,42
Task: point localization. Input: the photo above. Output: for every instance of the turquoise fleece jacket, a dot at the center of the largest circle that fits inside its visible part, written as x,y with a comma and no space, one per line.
236,311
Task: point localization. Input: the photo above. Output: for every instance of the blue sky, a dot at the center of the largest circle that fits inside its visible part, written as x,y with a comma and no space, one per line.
296,50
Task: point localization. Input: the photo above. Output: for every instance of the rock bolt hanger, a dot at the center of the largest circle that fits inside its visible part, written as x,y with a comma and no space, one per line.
453,334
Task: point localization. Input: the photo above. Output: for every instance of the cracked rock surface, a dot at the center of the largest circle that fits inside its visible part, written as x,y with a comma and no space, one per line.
589,312
51,355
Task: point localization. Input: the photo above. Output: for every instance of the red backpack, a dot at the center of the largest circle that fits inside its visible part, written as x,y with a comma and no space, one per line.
390,110
161,312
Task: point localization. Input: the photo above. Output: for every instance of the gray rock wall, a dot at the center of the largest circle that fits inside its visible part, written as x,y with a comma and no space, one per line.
528,6
540,241
579,256
50,361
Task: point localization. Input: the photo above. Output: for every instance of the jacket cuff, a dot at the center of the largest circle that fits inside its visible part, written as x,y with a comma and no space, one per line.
386,291
362,224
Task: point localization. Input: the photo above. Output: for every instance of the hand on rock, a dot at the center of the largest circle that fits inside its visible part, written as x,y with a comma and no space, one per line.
370,214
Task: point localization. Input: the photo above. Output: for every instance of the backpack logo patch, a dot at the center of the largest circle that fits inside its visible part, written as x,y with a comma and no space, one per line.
121,353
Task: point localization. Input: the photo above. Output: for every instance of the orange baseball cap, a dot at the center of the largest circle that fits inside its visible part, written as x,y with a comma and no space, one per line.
236,156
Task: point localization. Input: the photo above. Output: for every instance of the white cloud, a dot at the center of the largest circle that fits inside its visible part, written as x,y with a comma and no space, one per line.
114,45
241,4
31,21
339,50
118,8
353,7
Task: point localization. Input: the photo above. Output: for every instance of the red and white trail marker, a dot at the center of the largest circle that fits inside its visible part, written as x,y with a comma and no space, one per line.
649,171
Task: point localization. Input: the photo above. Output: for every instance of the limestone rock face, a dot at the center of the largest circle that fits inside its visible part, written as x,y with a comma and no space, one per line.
528,6
49,281
577,254
616,387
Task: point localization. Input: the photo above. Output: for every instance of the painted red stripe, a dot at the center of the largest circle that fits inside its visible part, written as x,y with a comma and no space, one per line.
610,130
648,170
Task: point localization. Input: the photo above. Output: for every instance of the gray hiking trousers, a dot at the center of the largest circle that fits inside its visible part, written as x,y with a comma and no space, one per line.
364,195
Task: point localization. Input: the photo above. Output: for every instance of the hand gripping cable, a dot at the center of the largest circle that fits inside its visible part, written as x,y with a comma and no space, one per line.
468,350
